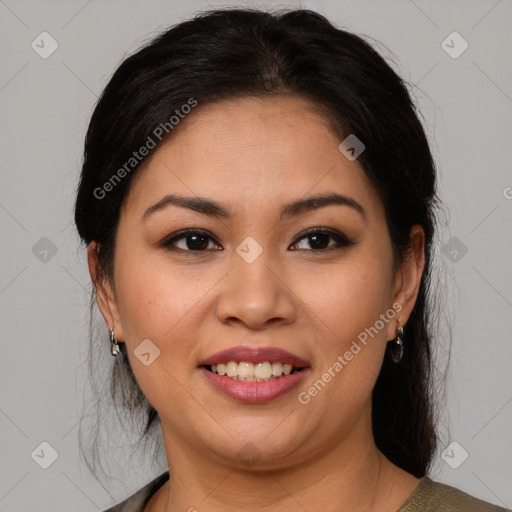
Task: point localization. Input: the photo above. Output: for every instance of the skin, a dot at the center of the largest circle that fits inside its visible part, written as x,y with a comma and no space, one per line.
253,155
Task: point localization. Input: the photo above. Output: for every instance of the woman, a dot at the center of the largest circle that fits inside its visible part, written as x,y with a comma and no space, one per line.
258,200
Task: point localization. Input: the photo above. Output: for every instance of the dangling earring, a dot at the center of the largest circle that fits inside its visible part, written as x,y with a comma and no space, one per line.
397,348
114,347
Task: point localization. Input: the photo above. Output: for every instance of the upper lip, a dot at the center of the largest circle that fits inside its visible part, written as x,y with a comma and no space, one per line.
255,355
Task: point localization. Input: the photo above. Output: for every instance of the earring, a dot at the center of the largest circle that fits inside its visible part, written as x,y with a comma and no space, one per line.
114,347
397,348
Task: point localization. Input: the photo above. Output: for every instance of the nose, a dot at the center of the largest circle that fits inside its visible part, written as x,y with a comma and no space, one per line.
256,295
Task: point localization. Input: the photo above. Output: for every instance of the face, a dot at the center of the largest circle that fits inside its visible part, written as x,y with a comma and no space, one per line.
253,279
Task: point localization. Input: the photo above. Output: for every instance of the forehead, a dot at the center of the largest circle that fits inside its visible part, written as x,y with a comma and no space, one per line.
250,151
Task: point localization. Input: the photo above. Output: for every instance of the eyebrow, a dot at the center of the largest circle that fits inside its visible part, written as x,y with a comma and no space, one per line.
289,210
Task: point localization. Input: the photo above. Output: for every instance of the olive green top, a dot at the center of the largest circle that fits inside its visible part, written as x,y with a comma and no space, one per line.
428,496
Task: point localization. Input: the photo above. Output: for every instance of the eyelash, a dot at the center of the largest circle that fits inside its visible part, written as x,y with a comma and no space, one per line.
342,240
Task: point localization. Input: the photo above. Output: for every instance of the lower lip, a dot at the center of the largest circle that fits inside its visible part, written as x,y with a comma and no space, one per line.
255,392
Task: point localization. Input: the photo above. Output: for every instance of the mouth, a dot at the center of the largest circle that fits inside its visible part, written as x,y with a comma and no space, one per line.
254,375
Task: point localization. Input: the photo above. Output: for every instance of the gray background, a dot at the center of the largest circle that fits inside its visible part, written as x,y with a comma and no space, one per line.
45,106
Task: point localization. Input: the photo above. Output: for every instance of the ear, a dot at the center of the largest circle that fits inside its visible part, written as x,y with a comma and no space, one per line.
104,290
408,279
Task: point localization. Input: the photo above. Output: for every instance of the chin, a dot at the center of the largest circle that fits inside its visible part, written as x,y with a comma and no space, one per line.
266,448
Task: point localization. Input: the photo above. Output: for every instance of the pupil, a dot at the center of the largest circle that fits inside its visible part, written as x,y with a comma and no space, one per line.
318,244
196,244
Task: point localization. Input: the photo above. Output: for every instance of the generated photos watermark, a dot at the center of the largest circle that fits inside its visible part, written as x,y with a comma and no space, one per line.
137,156
304,397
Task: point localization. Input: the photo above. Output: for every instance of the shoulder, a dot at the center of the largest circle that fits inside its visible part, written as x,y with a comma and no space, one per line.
137,501
430,496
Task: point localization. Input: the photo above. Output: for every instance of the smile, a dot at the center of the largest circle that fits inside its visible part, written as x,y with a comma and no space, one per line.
253,372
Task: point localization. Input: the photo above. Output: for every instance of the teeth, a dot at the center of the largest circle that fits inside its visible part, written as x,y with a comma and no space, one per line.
259,372
277,369
246,371
263,370
231,369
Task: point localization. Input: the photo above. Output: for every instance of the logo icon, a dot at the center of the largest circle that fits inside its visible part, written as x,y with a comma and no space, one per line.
44,45
44,250
249,250
454,455
249,454
146,352
454,45
44,455
454,249
351,147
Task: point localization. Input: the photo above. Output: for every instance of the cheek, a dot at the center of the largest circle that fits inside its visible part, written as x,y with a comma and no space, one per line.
167,304
346,304
347,298
156,296
161,303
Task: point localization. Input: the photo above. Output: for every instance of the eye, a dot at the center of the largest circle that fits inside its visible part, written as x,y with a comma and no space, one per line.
319,239
195,240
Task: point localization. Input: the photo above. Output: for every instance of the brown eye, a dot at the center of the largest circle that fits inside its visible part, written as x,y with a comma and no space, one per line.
318,239
194,241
